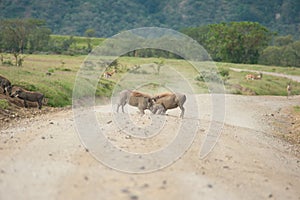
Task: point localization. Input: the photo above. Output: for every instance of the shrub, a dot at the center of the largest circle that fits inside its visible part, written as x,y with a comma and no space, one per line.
3,104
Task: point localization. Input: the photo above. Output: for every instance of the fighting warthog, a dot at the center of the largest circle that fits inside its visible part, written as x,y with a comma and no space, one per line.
5,85
29,96
166,101
134,98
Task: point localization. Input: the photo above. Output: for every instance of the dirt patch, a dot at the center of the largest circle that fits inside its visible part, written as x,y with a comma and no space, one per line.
242,90
286,125
45,159
15,111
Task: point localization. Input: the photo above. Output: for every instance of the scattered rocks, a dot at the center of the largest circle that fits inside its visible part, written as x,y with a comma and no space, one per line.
134,197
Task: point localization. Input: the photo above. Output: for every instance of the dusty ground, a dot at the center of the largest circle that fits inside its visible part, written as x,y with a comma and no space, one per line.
43,158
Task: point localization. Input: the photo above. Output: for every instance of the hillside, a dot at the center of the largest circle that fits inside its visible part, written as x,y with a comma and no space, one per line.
108,18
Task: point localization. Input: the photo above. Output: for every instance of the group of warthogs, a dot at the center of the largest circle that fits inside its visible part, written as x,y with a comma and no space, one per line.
157,104
21,93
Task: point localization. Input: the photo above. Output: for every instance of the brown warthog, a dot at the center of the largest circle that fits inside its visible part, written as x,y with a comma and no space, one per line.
134,98
29,96
166,101
5,85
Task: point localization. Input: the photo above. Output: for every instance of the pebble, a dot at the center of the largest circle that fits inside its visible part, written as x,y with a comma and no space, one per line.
270,195
134,197
125,190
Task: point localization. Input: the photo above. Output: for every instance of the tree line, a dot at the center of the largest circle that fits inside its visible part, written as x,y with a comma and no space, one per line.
246,42
73,17
236,42
20,36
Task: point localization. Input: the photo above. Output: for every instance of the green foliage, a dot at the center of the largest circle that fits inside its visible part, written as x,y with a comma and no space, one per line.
4,104
72,45
297,109
237,42
90,32
111,17
20,35
286,52
224,72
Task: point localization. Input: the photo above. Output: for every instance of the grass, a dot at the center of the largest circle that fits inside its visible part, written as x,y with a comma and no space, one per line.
54,75
283,70
4,104
297,109
268,85
79,41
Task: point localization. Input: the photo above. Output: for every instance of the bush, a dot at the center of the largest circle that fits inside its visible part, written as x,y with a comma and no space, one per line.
224,72
3,104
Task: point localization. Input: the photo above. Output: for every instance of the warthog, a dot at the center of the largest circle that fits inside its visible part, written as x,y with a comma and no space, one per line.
166,101
134,98
29,96
6,85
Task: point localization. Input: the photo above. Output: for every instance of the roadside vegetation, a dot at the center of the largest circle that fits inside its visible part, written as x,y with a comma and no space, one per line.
54,75
33,58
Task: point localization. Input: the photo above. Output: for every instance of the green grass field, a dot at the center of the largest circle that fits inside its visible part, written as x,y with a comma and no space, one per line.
79,41
58,86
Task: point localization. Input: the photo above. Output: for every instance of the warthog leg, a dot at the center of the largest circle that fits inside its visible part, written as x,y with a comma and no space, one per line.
25,104
182,110
118,106
40,103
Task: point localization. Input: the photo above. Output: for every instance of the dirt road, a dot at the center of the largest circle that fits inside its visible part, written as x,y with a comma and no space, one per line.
43,158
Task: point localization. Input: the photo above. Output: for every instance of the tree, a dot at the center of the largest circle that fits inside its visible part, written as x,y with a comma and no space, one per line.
271,56
285,53
90,32
238,42
19,34
283,40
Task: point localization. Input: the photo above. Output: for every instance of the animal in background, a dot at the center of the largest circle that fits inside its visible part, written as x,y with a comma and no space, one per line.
289,90
5,85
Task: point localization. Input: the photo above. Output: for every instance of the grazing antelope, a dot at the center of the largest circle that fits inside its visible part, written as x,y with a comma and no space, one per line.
253,76
109,74
250,76
289,90
259,76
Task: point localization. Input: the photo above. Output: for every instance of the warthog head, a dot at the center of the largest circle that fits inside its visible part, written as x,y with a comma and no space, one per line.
16,93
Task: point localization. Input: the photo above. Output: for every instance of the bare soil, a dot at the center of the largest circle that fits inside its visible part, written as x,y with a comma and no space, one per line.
42,156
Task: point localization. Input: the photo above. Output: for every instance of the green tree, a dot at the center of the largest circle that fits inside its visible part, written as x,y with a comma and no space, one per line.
19,34
90,32
238,42
271,56
283,40
285,53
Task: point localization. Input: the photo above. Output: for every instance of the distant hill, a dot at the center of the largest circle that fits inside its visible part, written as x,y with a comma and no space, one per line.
74,17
